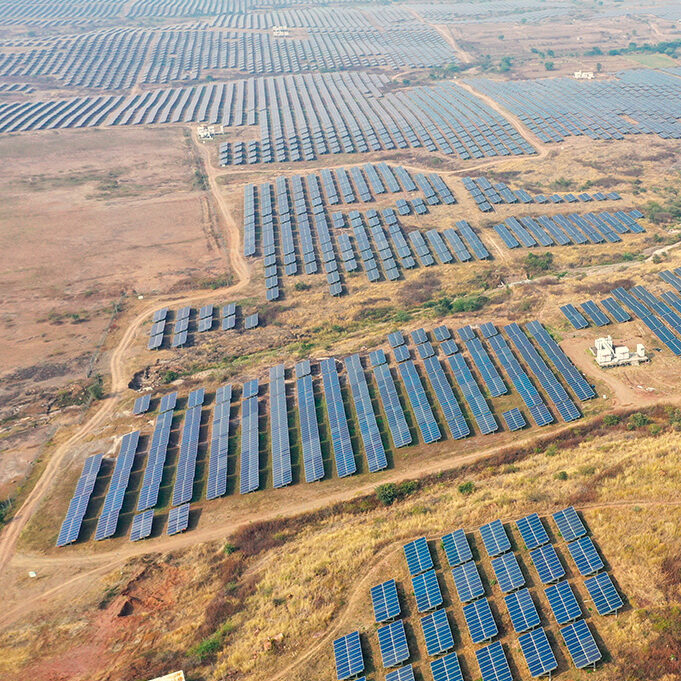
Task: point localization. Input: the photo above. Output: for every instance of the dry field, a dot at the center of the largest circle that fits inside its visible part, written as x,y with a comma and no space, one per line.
88,216
267,603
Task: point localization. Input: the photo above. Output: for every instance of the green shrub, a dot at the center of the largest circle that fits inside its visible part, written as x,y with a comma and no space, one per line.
229,548
390,492
170,376
638,420
552,450
467,488
611,420
561,475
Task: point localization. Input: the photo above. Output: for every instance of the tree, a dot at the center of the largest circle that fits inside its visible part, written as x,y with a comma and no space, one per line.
535,264
599,67
548,65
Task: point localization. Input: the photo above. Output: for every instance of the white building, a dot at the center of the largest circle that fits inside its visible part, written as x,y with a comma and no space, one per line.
280,31
609,355
584,75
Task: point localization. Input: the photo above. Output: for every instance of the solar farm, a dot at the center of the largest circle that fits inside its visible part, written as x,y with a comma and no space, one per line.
341,340
457,595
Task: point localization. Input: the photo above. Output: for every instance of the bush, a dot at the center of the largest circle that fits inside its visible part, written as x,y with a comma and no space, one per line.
302,286
229,548
536,264
390,492
638,420
611,420
561,475
552,450
170,376
467,488
548,65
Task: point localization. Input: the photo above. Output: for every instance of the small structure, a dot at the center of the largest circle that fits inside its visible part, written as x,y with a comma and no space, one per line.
584,75
609,355
175,676
280,31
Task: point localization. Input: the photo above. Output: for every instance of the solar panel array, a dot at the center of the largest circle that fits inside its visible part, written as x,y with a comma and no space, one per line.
70,527
186,463
141,525
216,485
249,473
178,519
309,428
113,502
335,409
349,660
487,194
282,473
385,601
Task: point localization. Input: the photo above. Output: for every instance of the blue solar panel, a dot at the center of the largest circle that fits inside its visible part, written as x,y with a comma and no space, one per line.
495,538
418,556
402,674
153,473
446,668
547,564
483,363
437,632
249,474
521,381
178,519
385,601
574,316
467,582
594,313
480,620
430,431
603,592
426,591
449,347
70,528
522,611
563,603
186,463
396,338
569,524
168,402
142,404
216,484
401,353
493,663
313,463
371,437
473,395
397,423
377,357
457,548
532,531
392,641
446,398
586,557
580,644
335,409
141,525
537,652
567,369
280,444
442,333
508,573
556,392
347,652
113,502
514,419
616,310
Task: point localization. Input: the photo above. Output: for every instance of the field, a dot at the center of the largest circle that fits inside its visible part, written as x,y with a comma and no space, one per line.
130,132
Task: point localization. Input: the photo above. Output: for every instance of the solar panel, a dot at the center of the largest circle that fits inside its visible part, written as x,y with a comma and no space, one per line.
397,423
141,525
70,528
335,409
402,674
168,402
309,428
377,357
586,557
437,632
574,316
430,431
113,502
392,641
457,548
569,524
532,531
493,663
514,419
183,488
178,519
473,395
156,457
483,362
142,404
401,353
522,611
580,644
508,573
251,322
303,368
250,389
426,591
385,602
442,333
467,582
537,652
563,603
216,484
603,592
371,437
449,347
195,398
347,652
160,315
280,444
446,668
396,338
249,474
495,539
447,400
418,556
547,564
480,621
594,313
